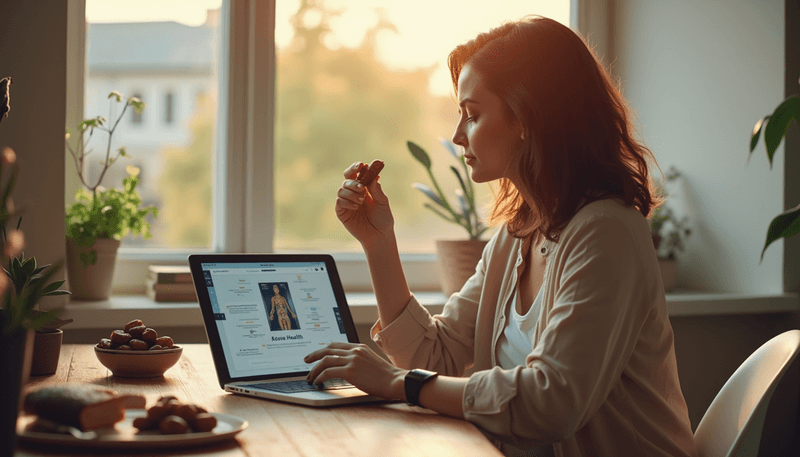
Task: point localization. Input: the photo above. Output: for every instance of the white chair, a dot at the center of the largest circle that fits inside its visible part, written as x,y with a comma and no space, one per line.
734,421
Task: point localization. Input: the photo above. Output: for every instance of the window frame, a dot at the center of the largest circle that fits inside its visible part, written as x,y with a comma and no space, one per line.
168,110
244,154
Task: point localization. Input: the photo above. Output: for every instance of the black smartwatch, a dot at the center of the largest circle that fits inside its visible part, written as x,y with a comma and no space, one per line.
414,381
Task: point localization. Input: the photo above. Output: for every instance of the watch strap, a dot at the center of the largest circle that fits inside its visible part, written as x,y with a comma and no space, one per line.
414,381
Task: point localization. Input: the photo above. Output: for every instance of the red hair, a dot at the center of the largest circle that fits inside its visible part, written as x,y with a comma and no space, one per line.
579,144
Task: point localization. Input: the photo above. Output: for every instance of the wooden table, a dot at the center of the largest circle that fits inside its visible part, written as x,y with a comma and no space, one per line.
275,428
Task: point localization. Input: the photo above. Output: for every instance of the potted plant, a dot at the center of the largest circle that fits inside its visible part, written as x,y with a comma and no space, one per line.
775,126
18,316
25,275
456,259
100,218
668,232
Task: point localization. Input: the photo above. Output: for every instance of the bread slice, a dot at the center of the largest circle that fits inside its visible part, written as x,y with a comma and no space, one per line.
82,406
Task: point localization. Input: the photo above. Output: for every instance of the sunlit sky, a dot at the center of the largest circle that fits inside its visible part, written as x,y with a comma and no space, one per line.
427,30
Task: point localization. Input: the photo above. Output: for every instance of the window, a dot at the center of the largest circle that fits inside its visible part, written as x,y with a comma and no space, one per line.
360,91
355,81
155,53
135,117
169,108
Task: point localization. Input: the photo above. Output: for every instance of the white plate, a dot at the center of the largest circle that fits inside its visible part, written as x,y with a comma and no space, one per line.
125,436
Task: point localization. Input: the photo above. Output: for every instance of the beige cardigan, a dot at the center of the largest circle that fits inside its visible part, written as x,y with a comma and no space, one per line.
601,377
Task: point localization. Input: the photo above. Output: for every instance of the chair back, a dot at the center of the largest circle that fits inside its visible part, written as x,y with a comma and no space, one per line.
733,423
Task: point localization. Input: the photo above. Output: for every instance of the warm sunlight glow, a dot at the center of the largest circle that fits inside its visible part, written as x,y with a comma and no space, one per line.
426,30
187,12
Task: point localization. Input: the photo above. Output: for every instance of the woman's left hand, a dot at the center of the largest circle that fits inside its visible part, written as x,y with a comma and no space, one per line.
359,365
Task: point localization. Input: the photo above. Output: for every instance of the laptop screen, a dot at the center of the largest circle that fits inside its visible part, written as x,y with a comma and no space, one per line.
269,315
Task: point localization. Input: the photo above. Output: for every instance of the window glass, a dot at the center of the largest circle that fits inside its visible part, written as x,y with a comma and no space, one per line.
167,54
169,108
356,80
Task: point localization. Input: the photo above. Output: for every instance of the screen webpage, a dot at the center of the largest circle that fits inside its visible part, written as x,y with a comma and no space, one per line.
271,315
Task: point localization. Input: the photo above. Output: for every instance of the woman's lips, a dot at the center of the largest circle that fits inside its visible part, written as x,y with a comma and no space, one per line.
469,158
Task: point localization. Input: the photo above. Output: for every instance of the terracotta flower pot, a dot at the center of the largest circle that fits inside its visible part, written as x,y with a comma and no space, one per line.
91,282
457,261
46,351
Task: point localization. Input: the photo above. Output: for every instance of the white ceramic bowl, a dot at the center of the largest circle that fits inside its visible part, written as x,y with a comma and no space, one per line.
138,364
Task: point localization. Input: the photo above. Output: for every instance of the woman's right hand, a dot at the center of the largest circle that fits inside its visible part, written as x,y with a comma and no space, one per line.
364,211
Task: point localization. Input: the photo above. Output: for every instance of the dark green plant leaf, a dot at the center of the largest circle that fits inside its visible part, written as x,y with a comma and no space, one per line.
464,187
57,292
52,287
784,225
778,124
16,266
419,154
43,319
29,266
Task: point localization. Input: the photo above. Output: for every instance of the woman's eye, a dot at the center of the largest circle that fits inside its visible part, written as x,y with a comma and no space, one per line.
471,118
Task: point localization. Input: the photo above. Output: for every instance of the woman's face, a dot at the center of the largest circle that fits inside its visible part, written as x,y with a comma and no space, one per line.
485,129
275,289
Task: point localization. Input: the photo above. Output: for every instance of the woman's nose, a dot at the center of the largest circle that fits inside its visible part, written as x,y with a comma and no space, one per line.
458,137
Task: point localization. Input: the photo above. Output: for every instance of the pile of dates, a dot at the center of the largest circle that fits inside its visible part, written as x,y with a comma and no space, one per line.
136,337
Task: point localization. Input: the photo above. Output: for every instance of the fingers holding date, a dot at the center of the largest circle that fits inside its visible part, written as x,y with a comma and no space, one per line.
367,174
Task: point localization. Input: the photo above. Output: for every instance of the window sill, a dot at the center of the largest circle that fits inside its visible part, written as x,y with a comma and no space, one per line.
123,308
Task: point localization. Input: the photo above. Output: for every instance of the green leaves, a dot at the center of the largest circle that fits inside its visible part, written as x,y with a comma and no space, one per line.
775,127
138,105
778,124
419,154
31,282
466,215
108,213
784,225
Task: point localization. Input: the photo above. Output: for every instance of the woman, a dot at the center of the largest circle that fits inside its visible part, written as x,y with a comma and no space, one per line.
560,341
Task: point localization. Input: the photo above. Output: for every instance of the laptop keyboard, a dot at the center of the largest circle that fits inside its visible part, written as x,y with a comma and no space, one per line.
300,386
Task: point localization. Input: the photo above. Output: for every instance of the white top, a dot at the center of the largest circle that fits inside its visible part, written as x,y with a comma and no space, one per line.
515,344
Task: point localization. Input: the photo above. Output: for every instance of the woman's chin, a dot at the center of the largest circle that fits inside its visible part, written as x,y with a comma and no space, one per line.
478,178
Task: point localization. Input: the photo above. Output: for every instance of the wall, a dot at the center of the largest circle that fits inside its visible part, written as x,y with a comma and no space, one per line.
699,74
33,52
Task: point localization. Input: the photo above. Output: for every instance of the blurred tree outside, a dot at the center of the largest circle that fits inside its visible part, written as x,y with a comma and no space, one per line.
338,106
333,107
185,184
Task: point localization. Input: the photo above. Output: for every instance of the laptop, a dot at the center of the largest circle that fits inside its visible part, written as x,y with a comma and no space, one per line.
263,313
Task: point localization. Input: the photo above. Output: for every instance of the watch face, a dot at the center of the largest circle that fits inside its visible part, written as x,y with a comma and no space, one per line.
421,374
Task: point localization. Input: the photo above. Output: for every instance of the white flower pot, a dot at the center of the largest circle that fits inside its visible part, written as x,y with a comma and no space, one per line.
91,282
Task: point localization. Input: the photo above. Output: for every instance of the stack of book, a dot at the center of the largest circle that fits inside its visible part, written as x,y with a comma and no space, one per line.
170,283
